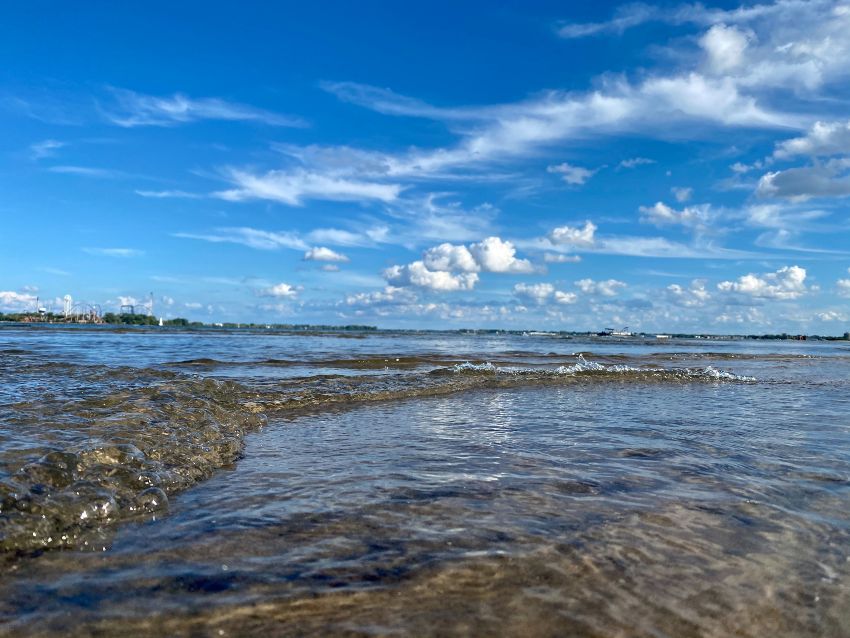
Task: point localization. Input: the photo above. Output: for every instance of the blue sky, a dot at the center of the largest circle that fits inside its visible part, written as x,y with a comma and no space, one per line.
672,167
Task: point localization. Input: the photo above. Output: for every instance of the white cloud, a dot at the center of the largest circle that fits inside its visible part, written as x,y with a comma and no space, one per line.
693,296
789,282
565,297
389,295
130,109
574,236
114,252
45,148
831,315
625,17
86,171
724,47
340,237
281,291
635,161
741,168
823,139
575,175
501,132
169,194
606,288
492,254
661,214
540,293
830,179
554,258
843,286
320,253
417,274
292,187
783,216
496,255
536,293
451,258
251,237
11,301
682,193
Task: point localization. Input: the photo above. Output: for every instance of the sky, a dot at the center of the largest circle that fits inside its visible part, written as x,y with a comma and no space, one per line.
525,165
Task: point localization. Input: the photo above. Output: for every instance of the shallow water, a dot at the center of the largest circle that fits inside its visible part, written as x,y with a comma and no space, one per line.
223,483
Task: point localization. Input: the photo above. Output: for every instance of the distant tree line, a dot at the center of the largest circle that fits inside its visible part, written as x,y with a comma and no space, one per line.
127,319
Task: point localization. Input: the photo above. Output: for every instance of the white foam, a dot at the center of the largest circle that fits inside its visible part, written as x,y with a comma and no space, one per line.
582,365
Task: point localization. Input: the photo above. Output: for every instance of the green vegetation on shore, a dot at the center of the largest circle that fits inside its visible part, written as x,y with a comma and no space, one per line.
127,319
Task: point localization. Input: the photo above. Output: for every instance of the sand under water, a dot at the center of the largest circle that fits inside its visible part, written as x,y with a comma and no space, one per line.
178,482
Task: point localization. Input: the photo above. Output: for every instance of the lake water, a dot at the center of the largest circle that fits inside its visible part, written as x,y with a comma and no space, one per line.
213,482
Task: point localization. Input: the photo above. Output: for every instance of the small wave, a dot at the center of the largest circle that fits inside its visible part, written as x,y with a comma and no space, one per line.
123,454
583,366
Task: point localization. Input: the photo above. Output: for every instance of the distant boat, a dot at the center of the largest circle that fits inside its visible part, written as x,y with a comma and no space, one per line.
160,322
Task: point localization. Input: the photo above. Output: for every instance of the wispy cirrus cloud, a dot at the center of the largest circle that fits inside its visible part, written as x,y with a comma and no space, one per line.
88,171
293,187
45,148
128,109
169,194
251,237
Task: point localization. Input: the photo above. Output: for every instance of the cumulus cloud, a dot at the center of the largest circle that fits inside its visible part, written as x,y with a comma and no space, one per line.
451,258
417,274
537,293
823,139
724,47
831,315
574,236
321,253
789,282
660,214
492,254
11,301
280,291
575,175
843,286
605,288
496,255
130,109
390,294
540,293
692,296
830,179
562,297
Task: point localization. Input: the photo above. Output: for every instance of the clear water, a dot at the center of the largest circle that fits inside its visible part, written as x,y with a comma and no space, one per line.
374,484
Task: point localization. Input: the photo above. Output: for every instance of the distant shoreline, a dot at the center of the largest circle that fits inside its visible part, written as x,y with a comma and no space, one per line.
183,324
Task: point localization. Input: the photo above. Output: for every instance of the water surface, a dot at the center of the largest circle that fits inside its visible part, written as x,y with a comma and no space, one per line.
229,482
